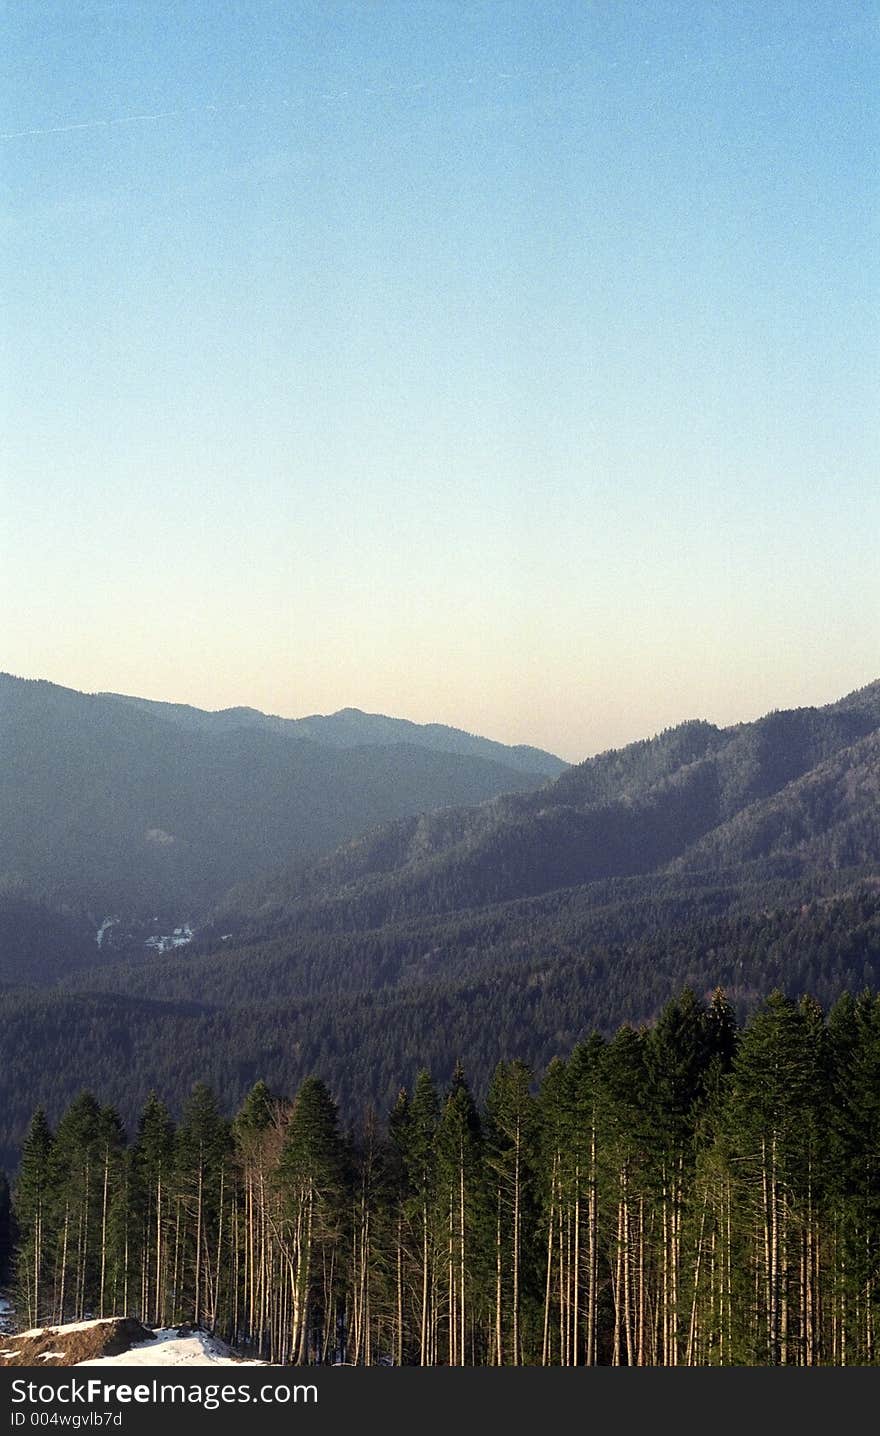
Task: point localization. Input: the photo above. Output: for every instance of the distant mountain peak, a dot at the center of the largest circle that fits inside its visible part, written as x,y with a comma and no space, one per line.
128,803
352,727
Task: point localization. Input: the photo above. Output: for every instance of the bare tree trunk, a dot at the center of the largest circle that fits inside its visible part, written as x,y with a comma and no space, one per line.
197,1309
104,1226
499,1356
462,1265
424,1331
64,1261
516,1242
545,1352
689,1359
400,1289
216,1301
576,1289
158,1306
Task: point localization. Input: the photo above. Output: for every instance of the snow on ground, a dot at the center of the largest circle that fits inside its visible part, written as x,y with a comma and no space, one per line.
107,923
67,1327
193,1348
178,938
173,1346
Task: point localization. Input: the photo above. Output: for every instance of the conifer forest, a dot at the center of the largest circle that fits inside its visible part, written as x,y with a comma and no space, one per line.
692,1194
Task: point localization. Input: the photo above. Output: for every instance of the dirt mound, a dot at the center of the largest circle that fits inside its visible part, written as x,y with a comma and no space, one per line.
67,1345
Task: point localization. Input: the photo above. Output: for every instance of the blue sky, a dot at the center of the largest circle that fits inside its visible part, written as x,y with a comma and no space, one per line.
512,365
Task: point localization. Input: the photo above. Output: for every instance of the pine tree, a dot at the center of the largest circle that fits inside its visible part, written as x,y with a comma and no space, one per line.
773,1112
34,1210
684,1194
625,1149
510,1141
373,1298
586,1069
677,1060
853,1183
77,1159
257,1136
7,1229
153,1175
110,1143
202,1147
312,1178
460,1192
560,1193
398,1131
414,1129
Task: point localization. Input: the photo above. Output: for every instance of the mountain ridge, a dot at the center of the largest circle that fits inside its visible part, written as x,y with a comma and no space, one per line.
745,857
621,813
118,804
354,727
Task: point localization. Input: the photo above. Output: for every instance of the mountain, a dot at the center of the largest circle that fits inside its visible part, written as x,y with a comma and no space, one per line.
797,787
124,804
745,857
351,728
40,939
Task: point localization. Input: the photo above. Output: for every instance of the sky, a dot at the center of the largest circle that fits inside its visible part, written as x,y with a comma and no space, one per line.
505,364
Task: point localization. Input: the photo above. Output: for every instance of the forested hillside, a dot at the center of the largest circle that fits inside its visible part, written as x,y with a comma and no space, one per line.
685,1195
745,858
352,728
124,806
483,991
798,791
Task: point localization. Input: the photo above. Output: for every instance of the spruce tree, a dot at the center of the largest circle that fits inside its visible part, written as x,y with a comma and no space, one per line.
853,1186
510,1144
312,1175
34,1206
256,1133
153,1193
628,1150
110,1145
461,1216
414,1129
77,1161
586,1069
773,1112
7,1233
202,1146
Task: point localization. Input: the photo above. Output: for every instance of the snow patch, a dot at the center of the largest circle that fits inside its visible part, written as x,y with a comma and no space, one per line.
167,943
175,1346
107,923
68,1326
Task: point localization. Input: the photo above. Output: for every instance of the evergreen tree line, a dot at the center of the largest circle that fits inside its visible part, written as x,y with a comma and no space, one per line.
685,1194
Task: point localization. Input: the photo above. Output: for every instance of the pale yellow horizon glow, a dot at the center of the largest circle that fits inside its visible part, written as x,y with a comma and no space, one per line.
536,707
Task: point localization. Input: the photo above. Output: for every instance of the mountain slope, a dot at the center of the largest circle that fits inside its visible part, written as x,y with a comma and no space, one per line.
116,804
829,818
40,940
622,814
746,857
383,1005
352,728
